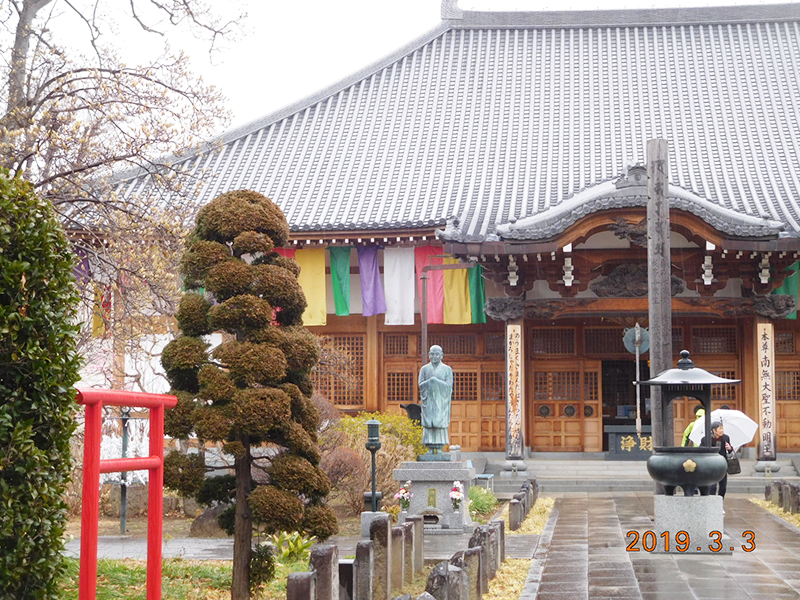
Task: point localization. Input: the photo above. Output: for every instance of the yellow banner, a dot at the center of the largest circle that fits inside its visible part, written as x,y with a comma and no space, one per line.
457,306
312,280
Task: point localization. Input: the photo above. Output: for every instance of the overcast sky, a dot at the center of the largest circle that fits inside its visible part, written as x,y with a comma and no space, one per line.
291,49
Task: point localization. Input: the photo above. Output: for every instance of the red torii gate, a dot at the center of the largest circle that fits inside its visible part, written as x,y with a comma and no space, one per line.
94,400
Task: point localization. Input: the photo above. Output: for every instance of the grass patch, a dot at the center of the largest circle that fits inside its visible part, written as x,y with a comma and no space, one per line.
536,520
127,579
791,518
510,580
482,504
181,580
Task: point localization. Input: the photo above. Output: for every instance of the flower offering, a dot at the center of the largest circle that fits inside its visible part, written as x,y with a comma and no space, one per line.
404,495
457,494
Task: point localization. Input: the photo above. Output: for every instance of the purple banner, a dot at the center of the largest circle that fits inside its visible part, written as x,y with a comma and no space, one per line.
372,298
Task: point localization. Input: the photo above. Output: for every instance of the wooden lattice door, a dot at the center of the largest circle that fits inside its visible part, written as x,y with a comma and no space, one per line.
787,395
564,406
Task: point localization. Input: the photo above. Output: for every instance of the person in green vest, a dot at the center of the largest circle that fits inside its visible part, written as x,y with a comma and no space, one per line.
699,413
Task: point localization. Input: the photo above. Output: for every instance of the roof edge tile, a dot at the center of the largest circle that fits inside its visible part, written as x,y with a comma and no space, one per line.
704,15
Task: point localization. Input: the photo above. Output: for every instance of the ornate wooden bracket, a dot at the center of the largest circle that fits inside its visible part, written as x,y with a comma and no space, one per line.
611,307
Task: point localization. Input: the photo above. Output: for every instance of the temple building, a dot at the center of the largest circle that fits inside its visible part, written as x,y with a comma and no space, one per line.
505,154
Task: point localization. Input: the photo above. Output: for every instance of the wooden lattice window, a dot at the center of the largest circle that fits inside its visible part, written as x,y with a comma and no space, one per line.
493,386
591,382
465,386
496,344
553,341
395,344
557,386
345,388
400,387
714,340
453,343
603,340
677,339
724,391
784,342
787,385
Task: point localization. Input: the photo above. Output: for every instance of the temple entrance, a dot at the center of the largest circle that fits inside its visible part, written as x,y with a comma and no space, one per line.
619,394
564,401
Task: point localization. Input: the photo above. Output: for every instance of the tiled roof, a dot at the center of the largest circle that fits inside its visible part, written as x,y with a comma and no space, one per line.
492,117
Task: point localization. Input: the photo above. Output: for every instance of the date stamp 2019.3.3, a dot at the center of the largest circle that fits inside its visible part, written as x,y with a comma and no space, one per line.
682,542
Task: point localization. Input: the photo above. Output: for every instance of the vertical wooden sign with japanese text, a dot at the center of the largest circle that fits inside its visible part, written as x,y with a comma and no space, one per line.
515,442
659,283
766,390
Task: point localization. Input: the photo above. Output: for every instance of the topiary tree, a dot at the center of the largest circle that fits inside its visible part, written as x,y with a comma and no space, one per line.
253,389
38,366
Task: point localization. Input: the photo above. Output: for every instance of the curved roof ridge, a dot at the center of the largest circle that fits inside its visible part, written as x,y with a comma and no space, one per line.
611,193
630,17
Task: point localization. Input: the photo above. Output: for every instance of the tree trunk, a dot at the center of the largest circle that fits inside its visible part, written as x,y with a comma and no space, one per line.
242,529
18,73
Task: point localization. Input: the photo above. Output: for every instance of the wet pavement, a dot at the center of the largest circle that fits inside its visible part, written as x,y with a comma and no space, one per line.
583,555
437,547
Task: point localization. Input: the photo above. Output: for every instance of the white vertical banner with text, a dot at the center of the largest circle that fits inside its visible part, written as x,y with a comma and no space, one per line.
767,435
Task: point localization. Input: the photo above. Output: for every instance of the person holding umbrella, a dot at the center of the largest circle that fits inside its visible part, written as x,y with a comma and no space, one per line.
738,426
719,437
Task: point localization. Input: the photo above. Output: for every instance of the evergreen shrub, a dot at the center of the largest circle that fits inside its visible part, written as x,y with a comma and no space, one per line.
38,367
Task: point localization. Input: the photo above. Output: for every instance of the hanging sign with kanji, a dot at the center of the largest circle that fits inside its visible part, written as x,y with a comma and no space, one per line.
766,390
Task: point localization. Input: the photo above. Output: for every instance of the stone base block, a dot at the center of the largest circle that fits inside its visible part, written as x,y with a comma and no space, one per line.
761,466
468,529
366,520
698,516
438,457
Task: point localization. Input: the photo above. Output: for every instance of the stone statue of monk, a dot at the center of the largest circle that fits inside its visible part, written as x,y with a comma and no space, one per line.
435,390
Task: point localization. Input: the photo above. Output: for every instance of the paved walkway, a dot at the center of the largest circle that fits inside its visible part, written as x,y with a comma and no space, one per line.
582,555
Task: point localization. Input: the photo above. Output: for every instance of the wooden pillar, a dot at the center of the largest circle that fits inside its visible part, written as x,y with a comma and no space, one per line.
373,399
659,284
749,365
515,389
767,406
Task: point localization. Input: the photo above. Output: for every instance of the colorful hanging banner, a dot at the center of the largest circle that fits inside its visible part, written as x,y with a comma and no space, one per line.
790,287
372,298
287,252
477,293
398,281
101,311
312,280
457,308
340,277
423,257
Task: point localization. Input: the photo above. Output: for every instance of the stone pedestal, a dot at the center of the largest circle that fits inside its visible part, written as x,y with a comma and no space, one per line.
431,483
698,516
514,469
767,466
366,519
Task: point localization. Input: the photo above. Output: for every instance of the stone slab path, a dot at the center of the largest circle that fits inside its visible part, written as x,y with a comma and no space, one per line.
582,555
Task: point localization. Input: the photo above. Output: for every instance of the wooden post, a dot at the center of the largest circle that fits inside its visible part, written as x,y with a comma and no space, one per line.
373,400
659,285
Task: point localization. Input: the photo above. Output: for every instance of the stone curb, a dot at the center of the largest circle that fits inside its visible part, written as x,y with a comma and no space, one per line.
531,587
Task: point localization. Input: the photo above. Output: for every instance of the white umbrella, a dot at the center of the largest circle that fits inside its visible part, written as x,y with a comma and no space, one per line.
738,426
